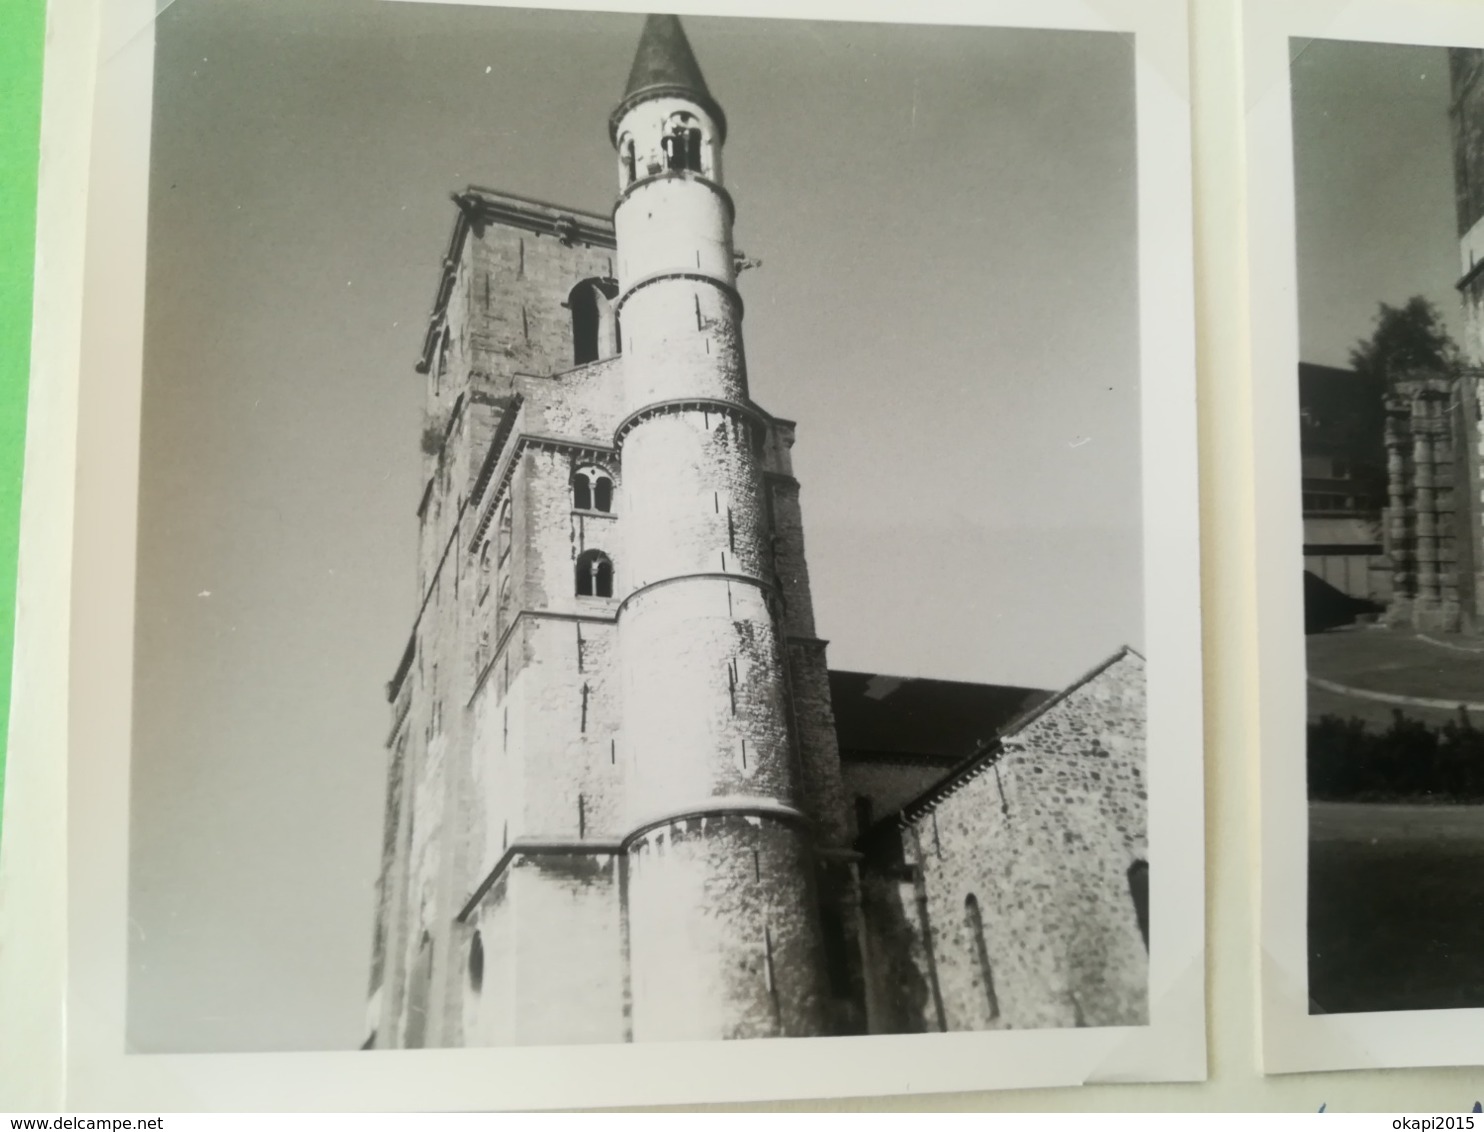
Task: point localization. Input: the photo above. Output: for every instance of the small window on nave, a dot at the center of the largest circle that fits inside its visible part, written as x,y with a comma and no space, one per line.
974,924
1138,890
476,963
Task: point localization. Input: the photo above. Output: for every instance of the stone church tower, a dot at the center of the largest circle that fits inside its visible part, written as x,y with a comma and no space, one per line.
614,762
617,805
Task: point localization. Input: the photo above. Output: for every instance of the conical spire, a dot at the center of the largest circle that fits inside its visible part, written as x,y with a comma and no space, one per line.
664,65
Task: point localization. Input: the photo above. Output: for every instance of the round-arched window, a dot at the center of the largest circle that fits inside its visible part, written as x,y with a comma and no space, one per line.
594,320
476,962
628,167
682,143
592,490
594,574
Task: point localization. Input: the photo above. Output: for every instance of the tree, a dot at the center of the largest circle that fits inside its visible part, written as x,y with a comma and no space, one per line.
1410,339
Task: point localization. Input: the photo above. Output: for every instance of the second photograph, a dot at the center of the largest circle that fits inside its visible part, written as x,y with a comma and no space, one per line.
1388,145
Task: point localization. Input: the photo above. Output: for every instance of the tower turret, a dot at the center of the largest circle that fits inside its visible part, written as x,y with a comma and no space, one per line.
724,928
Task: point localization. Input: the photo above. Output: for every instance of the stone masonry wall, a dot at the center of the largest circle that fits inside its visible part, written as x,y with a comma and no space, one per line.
887,786
1020,871
553,946
712,648
723,942
504,315
584,402
691,506
1466,66
519,283
694,337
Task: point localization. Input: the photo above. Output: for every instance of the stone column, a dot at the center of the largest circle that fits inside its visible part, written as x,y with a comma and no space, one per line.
1398,528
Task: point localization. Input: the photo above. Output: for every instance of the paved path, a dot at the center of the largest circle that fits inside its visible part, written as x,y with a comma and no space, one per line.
1398,663
1450,645
1395,697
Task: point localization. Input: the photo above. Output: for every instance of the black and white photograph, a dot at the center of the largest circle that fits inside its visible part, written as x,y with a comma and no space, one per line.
1381,829
1389,141
662,528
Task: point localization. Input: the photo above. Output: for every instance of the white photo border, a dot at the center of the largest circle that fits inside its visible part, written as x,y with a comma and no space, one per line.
1293,1040
1172,1048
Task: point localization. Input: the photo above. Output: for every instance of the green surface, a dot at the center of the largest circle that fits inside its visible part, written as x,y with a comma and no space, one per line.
22,24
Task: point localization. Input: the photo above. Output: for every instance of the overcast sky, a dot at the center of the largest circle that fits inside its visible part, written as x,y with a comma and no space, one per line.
1373,163
947,306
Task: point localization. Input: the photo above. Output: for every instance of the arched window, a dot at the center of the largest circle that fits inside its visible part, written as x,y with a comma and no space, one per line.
974,922
594,324
682,145
629,170
1138,889
592,490
594,575
502,533
502,608
476,963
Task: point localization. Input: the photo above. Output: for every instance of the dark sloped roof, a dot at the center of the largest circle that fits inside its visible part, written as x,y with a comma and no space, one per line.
942,719
990,753
665,65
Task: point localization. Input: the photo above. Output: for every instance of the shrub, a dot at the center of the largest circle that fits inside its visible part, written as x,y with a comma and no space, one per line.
1410,759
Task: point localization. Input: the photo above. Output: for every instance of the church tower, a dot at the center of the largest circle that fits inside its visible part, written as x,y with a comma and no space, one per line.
724,931
615,808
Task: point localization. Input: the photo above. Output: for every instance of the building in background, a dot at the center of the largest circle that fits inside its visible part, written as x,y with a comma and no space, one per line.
1341,420
627,801
1434,527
